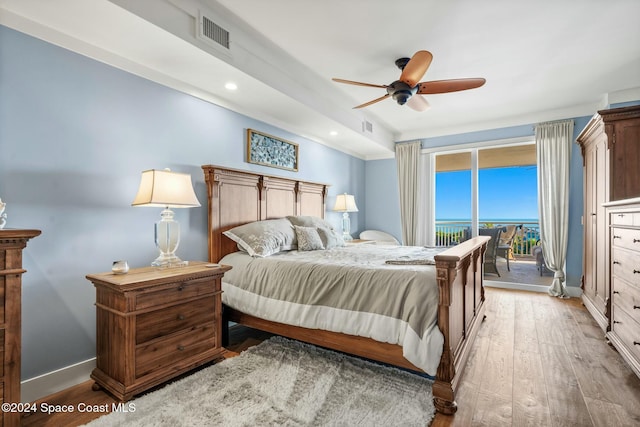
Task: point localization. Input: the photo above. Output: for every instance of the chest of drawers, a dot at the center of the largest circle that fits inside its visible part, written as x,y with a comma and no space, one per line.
12,242
624,258
155,324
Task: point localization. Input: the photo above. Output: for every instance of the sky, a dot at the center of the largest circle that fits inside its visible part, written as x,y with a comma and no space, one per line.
504,193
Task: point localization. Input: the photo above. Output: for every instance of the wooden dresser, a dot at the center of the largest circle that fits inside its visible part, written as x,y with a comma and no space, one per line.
12,242
622,126
595,156
155,324
610,146
624,218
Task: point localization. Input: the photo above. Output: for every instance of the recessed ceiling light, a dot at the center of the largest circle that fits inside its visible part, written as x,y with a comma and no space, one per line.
231,86
333,133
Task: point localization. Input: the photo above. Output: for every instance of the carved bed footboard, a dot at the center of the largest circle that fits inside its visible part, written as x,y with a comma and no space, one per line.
238,197
460,311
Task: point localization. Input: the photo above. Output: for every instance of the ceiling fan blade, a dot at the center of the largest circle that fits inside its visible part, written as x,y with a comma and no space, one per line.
453,85
416,67
366,104
418,103
351,82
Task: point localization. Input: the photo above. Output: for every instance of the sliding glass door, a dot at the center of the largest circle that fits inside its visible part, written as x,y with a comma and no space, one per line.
482,187
453,198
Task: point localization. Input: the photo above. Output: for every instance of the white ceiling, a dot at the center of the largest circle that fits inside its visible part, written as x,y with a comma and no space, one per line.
543,60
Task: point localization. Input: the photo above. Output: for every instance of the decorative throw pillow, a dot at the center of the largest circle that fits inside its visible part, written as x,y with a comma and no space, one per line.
264,238
308,221
330,237
308,238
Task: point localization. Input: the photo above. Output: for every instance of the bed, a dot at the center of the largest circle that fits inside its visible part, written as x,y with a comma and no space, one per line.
237,198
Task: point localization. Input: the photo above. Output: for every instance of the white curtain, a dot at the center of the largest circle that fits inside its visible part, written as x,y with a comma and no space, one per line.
553,148
426,227
408,164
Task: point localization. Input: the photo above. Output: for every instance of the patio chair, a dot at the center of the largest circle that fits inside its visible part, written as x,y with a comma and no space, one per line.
466,234
536,251
505,244
492,249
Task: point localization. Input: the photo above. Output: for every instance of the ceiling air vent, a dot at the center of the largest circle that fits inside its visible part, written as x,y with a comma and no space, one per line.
367,126
213,33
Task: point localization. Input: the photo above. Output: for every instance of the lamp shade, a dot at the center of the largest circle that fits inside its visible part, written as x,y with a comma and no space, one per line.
163,188
345,203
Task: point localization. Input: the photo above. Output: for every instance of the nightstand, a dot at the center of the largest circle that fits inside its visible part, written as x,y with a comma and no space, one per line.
154,324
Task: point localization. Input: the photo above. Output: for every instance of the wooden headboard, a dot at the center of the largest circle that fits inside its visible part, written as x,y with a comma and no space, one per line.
236,197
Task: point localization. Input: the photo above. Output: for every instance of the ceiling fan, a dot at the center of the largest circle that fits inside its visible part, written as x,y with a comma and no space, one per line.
408,89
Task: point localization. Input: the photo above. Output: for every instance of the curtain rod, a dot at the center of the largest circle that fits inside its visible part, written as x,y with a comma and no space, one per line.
553,122
409,142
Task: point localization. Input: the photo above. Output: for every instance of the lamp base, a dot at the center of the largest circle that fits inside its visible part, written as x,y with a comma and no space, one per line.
167,236
346,227
169,261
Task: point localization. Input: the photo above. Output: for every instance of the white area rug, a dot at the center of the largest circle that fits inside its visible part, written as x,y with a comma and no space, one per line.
284,382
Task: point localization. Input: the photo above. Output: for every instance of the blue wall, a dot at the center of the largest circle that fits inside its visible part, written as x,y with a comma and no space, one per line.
383,197
75,135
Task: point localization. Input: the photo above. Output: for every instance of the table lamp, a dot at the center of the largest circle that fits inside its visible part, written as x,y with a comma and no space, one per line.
345,203
166,189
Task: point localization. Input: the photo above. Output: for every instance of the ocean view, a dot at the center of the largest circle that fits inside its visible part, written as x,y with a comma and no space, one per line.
505,194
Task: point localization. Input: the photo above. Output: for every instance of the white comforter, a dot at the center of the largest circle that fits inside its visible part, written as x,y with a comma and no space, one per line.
352,290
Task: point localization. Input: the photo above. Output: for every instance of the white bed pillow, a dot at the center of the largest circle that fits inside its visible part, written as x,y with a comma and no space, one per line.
329,236
308,238
264,238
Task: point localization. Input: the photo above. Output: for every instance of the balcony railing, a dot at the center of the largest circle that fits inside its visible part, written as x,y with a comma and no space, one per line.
450,233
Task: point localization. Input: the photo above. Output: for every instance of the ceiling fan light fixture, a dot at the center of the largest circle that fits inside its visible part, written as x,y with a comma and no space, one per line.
401,92
402,96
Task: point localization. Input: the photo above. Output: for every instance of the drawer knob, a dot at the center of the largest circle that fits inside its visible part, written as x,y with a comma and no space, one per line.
615,322
636,240
180,348
636,343
616,262
621,215
616,292
181,288
180,316
636,271
636,307
616,237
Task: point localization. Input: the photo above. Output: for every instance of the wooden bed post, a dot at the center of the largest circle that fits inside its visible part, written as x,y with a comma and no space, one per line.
443,393
208,179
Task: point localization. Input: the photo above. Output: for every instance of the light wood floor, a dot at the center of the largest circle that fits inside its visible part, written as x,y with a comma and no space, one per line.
537,361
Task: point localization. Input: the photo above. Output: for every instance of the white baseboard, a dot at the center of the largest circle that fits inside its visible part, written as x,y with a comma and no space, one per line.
573,291
53,382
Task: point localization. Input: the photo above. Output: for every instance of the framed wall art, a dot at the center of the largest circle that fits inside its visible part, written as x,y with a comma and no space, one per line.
268,150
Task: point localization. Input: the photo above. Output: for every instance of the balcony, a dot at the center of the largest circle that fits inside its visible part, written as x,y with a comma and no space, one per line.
522,264
450,233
